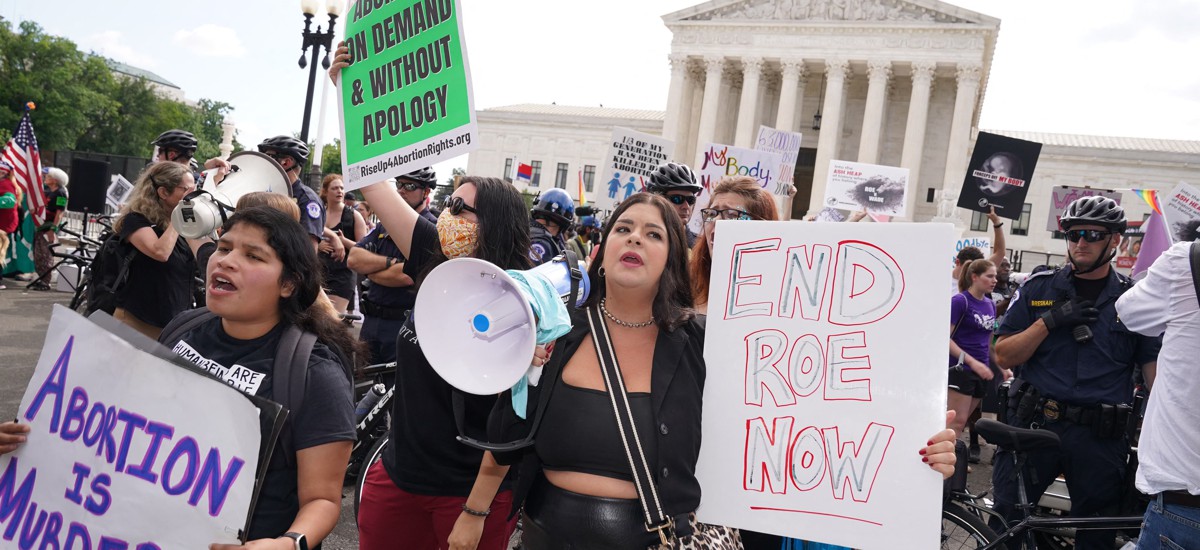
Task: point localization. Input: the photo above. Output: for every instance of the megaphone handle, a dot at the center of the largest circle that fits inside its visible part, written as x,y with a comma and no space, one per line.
458,404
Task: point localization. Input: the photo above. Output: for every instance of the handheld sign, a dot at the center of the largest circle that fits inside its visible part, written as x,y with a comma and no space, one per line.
131,453
1062,195
406,100
826,350
1181,208
787,144
881,190
999,174
625,170
727,161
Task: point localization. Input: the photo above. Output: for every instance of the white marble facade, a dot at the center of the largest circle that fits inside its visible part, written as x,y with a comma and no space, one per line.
896,82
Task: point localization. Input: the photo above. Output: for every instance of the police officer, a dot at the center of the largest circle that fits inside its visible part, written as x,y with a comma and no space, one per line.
1077,370
553,213
677,183
390,295
179,146
292,155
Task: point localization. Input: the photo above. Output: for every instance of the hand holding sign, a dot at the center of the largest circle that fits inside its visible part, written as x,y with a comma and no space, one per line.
12,435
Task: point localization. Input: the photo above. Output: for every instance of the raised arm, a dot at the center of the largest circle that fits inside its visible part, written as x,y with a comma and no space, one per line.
396,215
999,251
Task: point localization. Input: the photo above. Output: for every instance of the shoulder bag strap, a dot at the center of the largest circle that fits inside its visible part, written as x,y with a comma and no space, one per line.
643,478
966,305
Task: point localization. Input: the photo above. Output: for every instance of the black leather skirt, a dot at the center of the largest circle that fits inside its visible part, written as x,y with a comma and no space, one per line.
557,519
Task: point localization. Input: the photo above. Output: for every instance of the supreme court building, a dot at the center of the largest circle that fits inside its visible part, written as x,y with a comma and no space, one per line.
892,82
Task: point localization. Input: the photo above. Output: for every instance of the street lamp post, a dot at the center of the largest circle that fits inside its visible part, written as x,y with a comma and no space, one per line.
315,40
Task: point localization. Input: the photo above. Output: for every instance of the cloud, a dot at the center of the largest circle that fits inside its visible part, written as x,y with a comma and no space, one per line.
210,40
111,44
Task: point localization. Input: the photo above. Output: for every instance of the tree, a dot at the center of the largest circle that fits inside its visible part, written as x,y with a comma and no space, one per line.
331,157
446,189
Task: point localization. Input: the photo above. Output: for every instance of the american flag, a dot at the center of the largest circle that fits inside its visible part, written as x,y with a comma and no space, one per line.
22,153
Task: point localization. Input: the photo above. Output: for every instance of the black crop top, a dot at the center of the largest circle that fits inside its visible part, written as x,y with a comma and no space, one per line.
579,432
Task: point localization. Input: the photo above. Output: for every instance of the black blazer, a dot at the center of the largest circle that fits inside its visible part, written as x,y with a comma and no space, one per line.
676,392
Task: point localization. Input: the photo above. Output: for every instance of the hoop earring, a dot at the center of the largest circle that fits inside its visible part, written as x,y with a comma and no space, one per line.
600,271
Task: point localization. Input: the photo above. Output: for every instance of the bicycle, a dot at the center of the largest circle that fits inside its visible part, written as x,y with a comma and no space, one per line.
967,513
373,395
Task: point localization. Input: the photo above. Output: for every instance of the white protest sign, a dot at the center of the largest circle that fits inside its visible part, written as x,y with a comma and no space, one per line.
826,349
625,170
727,161
126,449
1062,195
787,144
1181,207
984,245
118,191
881,190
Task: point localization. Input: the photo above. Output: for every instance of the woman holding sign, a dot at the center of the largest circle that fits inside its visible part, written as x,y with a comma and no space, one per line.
738,198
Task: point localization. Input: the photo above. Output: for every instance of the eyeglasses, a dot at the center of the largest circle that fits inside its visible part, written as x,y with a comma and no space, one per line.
455,206
711,214
680,199
410,186
1089,235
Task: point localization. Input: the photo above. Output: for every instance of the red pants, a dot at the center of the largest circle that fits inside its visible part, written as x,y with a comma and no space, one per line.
391,518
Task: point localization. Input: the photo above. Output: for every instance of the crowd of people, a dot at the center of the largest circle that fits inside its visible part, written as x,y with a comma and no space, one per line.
281,265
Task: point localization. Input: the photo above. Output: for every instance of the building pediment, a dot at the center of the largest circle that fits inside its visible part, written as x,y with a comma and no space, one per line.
866,11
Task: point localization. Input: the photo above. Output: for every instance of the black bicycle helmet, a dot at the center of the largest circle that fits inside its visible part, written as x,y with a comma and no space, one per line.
180,140
424,176
287,145
673,176
555,205
1094,210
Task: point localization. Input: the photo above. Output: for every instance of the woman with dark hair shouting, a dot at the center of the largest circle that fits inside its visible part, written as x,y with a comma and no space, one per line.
430,491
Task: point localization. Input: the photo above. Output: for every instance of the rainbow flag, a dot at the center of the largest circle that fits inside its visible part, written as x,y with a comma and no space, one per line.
582,194
1151,198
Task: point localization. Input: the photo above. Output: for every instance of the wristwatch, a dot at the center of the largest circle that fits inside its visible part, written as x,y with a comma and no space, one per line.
298,538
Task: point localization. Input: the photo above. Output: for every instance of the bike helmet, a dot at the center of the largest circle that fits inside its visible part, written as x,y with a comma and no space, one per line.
176,139
555,205
424,176
673,176
590,221
287,145
1095,210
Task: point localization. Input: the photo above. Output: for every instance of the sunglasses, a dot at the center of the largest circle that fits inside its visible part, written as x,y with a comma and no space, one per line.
680,199
277,157
711,214
412,187
455,206
1089,235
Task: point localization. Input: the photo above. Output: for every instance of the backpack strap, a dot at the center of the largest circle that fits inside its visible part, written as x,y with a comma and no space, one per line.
1194,259
966,306
182,323
290,377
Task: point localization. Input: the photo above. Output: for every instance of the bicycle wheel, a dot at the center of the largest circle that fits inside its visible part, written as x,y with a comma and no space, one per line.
373,456
963,529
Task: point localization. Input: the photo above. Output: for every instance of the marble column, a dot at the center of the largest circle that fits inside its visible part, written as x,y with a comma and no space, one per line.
836,72
675,103
968,76
713,68
748,107
878,75
791,92
914,130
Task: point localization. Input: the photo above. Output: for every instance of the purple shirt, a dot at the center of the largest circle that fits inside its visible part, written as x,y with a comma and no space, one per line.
975,319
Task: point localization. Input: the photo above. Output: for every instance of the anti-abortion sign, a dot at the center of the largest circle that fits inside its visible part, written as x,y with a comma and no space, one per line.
727,161
1062,195
406,100
881,190
131,453
823,345
787,144
1180,209
632,157
999,174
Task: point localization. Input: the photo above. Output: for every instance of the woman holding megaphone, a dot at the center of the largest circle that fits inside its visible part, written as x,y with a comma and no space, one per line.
430,491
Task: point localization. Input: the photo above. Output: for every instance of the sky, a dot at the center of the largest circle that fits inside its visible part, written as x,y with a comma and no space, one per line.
1101,67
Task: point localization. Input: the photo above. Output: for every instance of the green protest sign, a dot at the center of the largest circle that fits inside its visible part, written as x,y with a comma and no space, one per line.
406,100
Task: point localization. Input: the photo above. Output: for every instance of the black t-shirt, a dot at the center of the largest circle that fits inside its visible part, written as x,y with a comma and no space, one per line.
56,201
424,457
327,414
156,291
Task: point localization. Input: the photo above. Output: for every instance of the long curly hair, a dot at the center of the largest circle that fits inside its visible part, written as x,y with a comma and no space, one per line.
144,198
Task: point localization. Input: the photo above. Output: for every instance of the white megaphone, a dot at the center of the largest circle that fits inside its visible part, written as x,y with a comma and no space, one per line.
476,328
204,210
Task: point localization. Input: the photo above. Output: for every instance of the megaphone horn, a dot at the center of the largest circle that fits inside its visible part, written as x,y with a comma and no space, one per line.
484,350
204,210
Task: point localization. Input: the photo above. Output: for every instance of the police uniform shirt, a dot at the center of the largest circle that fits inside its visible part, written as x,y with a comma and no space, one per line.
312,212
543,246
1081,374
378,241
326,416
